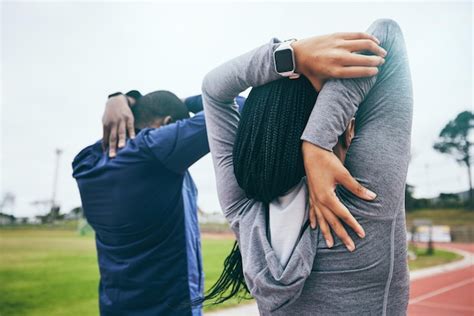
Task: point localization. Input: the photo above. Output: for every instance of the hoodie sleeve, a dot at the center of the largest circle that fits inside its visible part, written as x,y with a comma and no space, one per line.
270,283
379,154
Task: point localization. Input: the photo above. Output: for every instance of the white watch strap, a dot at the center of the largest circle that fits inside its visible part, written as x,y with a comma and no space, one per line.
287,45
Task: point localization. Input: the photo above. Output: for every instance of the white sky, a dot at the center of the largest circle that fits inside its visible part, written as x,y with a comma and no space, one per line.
60,61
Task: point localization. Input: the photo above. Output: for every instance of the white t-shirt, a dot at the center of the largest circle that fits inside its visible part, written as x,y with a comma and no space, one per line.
287,215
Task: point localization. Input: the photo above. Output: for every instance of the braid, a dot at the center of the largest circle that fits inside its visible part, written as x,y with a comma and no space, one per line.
267,153
267,159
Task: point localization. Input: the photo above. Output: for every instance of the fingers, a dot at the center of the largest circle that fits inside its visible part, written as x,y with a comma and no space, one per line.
362,60
324,228
113,141
122,134
366,45
338,229
355,187
355,36
131,127
357,72
343,213
358,35
312,218
105,136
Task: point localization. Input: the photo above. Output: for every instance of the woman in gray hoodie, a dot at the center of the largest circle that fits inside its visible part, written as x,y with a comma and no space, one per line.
312,278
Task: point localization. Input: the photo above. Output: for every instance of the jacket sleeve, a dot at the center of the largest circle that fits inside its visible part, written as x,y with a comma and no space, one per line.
177,146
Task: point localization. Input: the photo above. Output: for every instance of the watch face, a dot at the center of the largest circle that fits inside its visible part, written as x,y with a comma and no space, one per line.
284,60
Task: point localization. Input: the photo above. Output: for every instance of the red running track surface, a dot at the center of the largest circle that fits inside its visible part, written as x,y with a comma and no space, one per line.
447,294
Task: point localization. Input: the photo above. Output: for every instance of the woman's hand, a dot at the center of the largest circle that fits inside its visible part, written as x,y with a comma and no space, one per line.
335,56
324,171
117,121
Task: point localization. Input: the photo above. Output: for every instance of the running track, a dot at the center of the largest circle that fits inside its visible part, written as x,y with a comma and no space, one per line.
441,294
448,293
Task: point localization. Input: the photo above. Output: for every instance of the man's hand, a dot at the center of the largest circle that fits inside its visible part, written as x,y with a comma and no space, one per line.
335,56
324,171
117,121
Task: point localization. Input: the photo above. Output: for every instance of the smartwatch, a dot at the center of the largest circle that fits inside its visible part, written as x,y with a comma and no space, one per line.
284,59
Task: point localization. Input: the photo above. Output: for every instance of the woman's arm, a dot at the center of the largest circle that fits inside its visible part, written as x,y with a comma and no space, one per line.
269,282
220,88
317,58
379,154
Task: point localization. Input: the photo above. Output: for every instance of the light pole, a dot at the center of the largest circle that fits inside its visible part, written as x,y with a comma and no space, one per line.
55,179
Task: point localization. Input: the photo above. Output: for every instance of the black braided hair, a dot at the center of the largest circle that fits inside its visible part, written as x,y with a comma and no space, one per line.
267,160
267,151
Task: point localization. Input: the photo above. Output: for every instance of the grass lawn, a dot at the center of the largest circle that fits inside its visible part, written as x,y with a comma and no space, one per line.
440,257
54,272
451,217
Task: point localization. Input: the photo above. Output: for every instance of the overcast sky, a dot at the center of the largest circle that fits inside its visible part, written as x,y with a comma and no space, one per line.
60,61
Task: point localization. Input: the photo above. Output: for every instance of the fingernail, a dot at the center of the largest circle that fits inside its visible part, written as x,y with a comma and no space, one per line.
361,234
313,226
371,195
350,246
384,52
377,40
132,137
121,145
328,243
382,61
112,155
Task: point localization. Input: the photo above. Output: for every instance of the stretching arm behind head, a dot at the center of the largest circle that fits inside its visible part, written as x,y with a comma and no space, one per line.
378,155
270,283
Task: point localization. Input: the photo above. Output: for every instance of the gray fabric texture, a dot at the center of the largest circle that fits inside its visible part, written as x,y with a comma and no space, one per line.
373,280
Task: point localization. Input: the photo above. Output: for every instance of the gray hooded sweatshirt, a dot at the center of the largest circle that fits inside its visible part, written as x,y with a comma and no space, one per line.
316,280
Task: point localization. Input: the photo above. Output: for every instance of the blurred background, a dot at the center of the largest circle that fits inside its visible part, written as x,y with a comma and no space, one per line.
60,60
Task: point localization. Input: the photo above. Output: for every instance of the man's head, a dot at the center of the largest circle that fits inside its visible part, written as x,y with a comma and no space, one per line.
267,155
158,108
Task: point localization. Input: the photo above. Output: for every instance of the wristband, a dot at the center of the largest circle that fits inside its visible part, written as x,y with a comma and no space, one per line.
114,94
134,94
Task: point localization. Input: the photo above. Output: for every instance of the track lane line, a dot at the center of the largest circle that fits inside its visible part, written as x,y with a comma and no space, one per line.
449,307
440,291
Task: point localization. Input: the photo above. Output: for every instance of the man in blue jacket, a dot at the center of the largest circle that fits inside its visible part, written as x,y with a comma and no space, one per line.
141,203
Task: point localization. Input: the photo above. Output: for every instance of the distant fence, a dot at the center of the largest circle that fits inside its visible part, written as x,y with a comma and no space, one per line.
458,233
462,233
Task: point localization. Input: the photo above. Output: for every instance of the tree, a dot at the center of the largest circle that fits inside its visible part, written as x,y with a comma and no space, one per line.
409,199
7,202
456,139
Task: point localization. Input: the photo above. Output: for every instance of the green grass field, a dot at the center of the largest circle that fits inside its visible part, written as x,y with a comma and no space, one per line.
424,260
54,272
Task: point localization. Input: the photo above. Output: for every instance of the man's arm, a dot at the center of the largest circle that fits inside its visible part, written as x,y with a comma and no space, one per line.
179,145
195,105
118,120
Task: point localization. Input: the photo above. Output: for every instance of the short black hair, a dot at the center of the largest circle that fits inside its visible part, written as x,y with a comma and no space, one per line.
156,105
